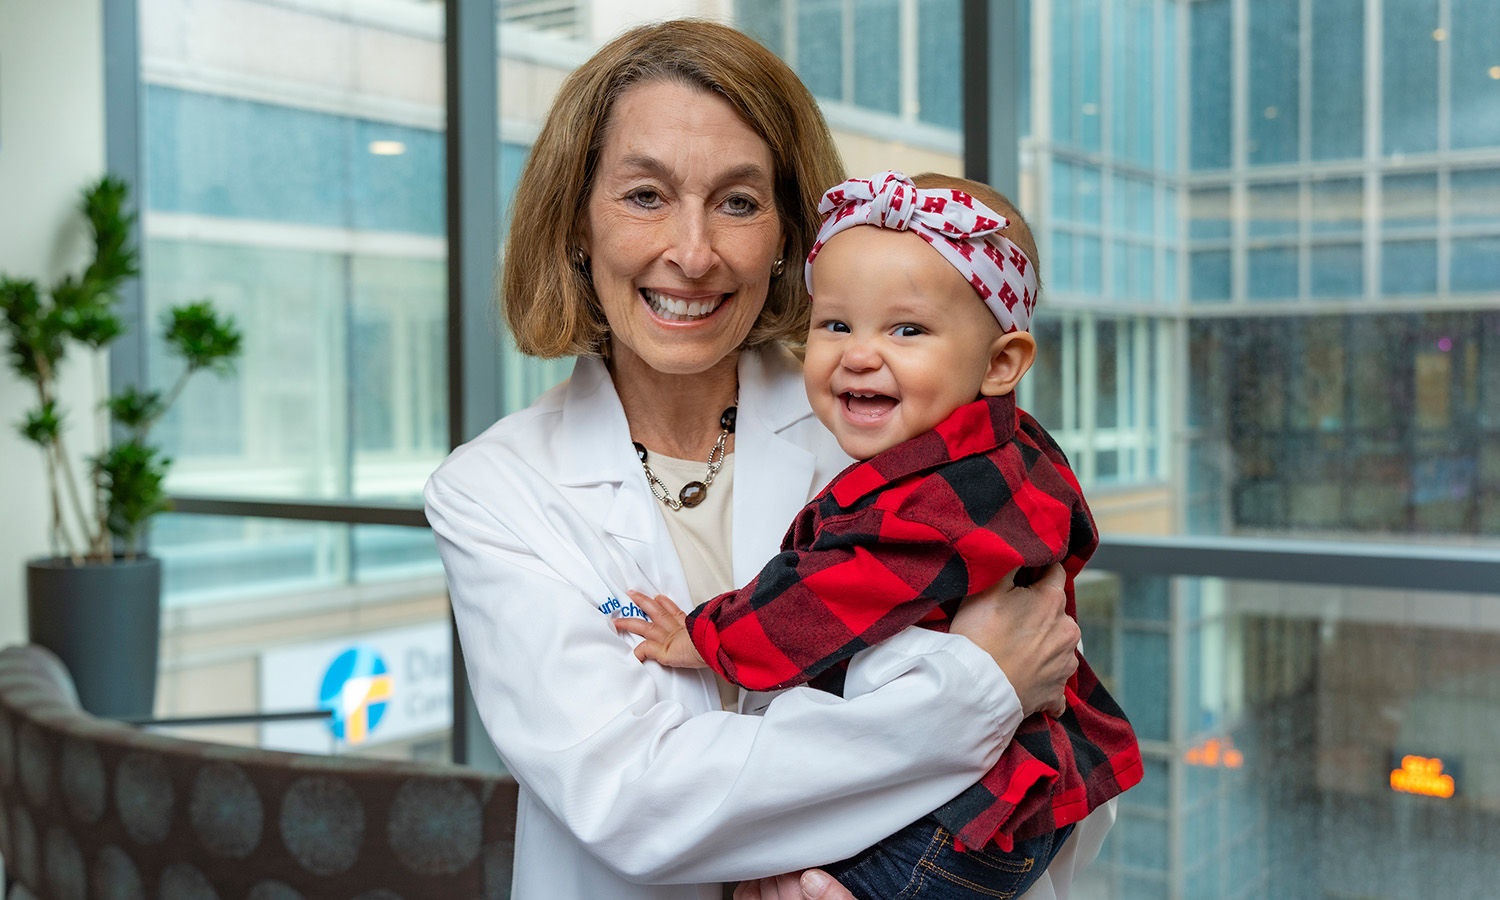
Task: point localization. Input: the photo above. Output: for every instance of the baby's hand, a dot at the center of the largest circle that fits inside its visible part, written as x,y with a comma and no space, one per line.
666,637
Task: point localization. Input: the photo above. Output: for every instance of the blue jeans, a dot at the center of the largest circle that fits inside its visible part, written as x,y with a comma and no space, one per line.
919,863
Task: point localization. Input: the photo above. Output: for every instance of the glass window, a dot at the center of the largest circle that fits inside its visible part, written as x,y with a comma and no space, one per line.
1171,124
765,19
1409,200
820,47
1476,196
1208,130
1337,270
1090,55
1338,206
1210,212
1088,197
1409,75
1273,274
1170,292
1408,267
1338,74
1476,264
1475,66
1062,191
1171,218
1090,264
938,68
1132,64
1064,259
1121,263
1142,281
1273,105
1064,72
1274,210
877,70
1210,281
303,193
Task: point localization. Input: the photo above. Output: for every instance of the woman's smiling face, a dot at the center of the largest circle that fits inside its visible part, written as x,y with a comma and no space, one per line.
682,227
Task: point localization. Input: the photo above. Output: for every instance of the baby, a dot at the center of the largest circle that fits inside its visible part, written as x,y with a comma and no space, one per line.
922,295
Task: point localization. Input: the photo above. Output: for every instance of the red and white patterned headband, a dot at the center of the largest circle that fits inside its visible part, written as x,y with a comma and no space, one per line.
959,227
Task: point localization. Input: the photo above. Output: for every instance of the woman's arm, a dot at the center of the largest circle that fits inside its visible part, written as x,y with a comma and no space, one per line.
661,794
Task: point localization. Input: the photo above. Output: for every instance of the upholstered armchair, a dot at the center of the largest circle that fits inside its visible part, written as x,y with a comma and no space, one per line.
97,810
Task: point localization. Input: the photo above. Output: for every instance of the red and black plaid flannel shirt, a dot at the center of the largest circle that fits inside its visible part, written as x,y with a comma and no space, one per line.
902,538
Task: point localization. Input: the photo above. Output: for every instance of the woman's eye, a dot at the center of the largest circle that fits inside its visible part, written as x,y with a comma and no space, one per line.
740,205
908,330
646,197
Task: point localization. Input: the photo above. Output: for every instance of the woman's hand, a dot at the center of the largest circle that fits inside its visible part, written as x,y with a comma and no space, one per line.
811,884
1028,632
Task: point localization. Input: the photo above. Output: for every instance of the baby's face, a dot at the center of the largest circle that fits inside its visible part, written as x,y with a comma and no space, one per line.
899,339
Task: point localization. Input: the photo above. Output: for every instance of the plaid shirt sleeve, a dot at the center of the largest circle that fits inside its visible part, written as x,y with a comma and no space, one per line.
894,541
847,579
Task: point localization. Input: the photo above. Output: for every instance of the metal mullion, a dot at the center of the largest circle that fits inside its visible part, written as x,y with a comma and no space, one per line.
1239,132
1374,123
1088,395
1394,566
471,39
1445,128
347,513
909,103
846,43
1304,147
123,158
1140,430
990,85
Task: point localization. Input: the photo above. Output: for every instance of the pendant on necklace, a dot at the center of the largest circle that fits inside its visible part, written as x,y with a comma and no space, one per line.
692,494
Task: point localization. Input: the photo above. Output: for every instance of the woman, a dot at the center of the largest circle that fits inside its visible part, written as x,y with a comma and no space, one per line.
672,189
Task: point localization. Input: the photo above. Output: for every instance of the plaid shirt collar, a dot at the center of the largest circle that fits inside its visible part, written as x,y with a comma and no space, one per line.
977,427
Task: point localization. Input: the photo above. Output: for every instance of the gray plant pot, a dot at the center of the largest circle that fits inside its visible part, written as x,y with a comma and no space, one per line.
104,623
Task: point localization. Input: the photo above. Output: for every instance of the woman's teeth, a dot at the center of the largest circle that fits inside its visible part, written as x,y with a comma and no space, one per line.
674,310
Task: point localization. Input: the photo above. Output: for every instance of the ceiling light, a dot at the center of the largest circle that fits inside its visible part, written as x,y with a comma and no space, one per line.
387,148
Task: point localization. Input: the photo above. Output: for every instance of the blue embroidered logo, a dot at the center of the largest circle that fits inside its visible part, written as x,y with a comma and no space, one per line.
628,608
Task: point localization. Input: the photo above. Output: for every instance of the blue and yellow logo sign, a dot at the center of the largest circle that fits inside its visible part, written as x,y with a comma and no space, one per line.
355,688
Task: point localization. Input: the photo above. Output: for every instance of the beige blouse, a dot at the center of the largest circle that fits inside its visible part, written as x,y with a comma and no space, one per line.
702,537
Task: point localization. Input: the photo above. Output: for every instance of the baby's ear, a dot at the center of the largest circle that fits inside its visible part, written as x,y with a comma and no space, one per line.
1011,355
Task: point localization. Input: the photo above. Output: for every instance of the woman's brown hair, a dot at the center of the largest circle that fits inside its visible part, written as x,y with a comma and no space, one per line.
545,295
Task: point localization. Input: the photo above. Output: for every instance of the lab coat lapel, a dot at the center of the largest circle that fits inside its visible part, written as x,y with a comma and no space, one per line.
773,477
593,420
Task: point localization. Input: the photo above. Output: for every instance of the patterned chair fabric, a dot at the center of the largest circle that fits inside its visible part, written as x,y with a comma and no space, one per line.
95,810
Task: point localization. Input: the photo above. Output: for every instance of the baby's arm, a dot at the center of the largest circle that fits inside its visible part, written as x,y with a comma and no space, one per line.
666,636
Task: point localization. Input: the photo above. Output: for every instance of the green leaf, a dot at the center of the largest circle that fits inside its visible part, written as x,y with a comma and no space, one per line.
93,324
135,409
42,425
197,334
131,476
21,302
114,258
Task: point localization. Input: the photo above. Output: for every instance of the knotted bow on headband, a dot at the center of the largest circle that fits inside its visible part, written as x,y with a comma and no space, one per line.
959,227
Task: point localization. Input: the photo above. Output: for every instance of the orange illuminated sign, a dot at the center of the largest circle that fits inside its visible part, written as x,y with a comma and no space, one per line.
1420,775
1215,752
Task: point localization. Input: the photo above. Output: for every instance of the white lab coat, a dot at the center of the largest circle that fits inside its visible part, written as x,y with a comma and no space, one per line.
635,785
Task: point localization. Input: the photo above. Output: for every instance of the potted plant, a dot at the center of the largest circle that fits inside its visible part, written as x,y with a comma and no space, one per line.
97,601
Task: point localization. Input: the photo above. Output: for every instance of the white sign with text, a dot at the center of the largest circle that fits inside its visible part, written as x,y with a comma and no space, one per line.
381,686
